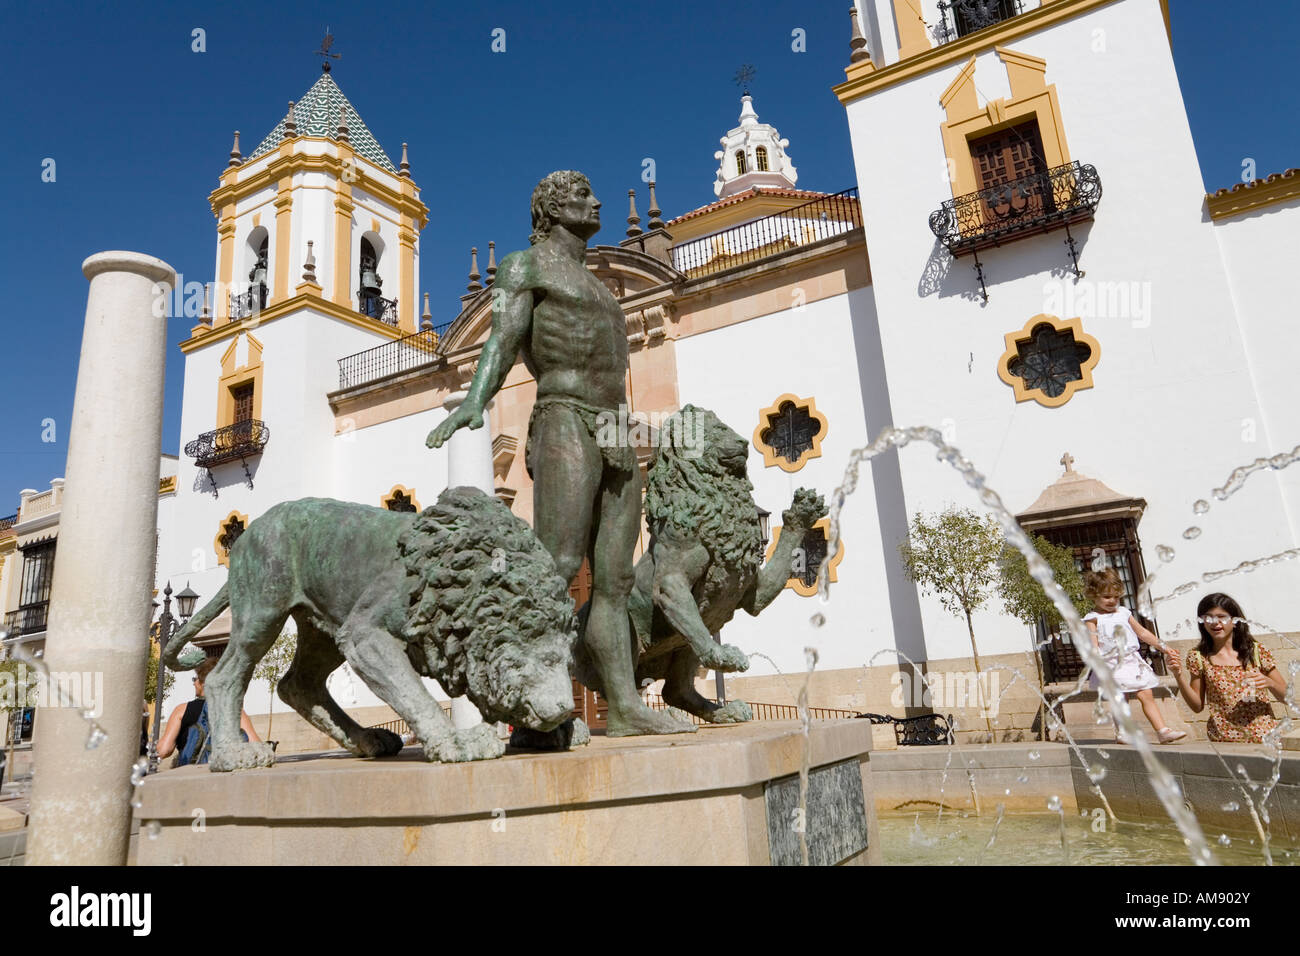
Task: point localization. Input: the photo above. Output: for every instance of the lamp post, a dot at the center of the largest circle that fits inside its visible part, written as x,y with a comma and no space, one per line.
166,627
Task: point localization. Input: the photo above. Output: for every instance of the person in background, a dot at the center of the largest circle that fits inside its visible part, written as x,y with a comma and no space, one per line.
187,715
1230,672
1116,633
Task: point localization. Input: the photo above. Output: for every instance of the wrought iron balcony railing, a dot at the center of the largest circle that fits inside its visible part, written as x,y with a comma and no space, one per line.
9,522
780,232
378,308
400,355
962,17
1035,203
234,442
246,304
27,620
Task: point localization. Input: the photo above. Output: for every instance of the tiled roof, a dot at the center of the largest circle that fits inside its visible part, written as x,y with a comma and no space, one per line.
750,194
317,114
1255,183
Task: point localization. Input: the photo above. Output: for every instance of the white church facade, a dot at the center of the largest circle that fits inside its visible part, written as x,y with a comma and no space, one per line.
1117,314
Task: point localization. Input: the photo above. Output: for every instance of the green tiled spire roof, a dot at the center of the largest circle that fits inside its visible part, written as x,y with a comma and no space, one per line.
317,114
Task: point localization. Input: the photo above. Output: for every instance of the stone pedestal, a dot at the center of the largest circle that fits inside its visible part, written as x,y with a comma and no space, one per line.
725,795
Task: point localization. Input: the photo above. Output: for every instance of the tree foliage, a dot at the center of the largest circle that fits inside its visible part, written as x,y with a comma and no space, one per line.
1025,598
151,676
954,556
274,666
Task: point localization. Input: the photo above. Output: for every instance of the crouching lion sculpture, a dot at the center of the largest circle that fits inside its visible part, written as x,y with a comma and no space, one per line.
703,561
463,593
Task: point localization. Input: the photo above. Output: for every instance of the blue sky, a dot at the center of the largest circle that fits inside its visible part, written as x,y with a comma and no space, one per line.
140,127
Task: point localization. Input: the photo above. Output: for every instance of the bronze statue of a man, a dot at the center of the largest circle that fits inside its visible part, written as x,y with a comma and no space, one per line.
586,498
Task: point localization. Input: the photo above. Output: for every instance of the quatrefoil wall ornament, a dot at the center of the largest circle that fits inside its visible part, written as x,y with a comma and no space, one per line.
1048,360
789,432
228,532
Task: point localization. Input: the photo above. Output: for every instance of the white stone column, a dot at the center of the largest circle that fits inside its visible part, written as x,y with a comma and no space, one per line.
103,574
469,463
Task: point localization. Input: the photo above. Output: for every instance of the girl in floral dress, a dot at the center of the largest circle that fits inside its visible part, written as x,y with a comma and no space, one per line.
1231,672
1115,632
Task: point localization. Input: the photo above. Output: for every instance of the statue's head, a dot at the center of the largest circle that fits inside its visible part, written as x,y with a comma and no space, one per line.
564,198
492,618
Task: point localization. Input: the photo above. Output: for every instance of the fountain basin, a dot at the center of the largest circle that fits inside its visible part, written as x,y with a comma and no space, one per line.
724,795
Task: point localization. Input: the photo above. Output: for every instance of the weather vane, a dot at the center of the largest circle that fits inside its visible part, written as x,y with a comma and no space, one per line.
324,50
744,76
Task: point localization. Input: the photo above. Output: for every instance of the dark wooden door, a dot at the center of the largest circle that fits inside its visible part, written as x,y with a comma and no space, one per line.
1005,157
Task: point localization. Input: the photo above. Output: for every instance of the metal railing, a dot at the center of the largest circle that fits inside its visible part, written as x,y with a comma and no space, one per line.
378,308
401,355
27,620
962,17
246,304
766,711
238,441
9,522
1035,203
780,232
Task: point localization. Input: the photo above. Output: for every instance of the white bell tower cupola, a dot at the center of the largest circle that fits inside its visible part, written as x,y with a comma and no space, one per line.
752,154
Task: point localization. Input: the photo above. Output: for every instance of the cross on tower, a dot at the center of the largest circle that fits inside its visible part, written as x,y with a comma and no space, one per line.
744,76
1067,460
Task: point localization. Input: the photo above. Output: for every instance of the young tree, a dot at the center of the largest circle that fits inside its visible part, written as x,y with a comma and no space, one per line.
954,556
1025,598
274,666
151,677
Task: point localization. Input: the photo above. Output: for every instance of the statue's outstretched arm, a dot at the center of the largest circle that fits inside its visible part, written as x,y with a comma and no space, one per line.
512,316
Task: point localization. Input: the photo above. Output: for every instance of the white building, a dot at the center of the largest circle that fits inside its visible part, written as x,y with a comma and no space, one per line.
1117,314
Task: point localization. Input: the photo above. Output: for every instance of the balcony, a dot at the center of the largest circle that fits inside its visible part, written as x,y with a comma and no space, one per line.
378,308
401,355
963,17
244,305
237,442
27,620
9,522
780,232
1036,203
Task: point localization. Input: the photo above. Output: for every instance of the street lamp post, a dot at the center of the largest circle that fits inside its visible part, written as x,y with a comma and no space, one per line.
167,626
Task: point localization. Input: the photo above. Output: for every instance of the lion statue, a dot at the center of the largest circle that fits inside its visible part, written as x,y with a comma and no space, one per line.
463,593
703,562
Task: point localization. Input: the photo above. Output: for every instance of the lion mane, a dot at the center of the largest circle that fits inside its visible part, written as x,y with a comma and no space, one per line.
689,490
481,579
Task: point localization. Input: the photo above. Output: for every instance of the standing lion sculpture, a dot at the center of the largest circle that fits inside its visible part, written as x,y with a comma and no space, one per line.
463,593
703,562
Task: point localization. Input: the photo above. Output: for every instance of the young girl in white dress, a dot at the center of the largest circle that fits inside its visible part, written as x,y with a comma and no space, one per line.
1115,632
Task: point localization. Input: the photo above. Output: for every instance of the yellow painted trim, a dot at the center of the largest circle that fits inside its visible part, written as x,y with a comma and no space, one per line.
403,199
1256,194
863,81
1035,394
225,264
343,209
770,457
406,277
912,36
1031,96
303,300
283,235
232,377
384,499
167,486
796,584
223,555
